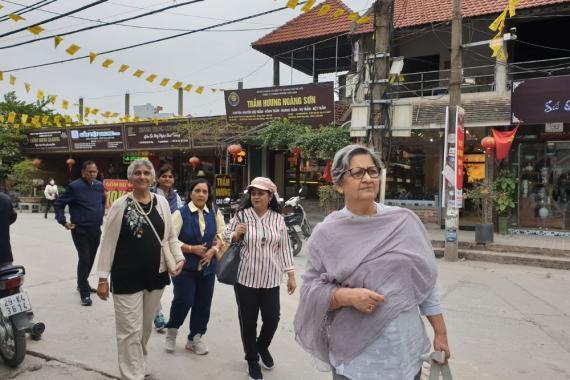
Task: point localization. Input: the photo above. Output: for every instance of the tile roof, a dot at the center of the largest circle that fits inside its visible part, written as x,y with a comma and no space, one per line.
407,13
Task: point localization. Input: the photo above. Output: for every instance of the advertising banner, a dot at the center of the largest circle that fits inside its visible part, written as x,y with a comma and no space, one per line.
223,188
151,136
98,138
459,150
114,189
311,104
539,101
46,141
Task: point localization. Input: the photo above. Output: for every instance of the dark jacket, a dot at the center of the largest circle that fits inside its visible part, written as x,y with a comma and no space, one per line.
86,204
7,216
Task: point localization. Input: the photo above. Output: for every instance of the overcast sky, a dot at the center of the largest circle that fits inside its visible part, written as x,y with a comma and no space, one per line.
216,58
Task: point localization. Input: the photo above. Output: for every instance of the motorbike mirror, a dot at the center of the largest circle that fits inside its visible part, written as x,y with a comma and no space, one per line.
300,191
281,200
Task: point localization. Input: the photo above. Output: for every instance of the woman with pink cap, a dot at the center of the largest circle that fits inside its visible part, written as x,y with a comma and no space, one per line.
265,255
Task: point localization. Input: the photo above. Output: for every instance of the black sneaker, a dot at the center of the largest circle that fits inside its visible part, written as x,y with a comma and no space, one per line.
254,371
266,359
86,301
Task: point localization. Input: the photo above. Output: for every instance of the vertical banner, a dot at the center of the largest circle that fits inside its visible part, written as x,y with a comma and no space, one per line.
223,187
459,150
114,189
452,196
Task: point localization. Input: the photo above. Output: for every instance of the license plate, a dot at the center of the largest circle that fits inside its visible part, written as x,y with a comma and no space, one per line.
297,228
16,304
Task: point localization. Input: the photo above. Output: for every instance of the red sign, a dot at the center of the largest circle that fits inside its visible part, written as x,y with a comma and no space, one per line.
114,189
460,148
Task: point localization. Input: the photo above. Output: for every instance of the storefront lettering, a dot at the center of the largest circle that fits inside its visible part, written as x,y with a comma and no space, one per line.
553,106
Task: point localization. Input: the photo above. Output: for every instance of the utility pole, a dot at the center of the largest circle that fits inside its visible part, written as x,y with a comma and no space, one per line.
81,110
378,78
455,80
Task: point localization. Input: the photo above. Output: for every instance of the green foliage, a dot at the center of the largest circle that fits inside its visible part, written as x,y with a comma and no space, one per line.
478,193
504,190
22,177
329,198
283,134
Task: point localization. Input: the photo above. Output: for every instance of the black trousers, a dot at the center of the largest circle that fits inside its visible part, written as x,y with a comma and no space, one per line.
48,206
86,240
250,302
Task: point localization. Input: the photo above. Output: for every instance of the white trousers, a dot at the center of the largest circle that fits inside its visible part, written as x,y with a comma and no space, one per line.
134,314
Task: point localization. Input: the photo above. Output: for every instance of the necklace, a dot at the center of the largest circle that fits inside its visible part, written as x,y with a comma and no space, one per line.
139,208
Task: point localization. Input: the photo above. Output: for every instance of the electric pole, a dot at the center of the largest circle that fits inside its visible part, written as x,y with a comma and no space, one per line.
455,80
379,70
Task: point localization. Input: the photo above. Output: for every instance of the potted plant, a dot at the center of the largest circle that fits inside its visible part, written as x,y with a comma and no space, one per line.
482,195
504,190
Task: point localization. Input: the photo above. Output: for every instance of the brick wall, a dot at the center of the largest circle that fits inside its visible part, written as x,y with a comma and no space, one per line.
427,215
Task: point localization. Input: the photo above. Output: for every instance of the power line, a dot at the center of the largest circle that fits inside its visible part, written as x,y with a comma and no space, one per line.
101,25
29,8
152,41
55,18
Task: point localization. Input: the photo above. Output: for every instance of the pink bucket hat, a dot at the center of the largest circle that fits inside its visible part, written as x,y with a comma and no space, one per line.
263,183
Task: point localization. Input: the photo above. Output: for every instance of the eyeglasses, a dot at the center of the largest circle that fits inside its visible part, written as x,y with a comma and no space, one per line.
358,173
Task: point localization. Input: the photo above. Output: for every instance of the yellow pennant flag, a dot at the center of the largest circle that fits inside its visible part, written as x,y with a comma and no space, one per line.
72,49
1,118
36,120
95,111
177,85
11,117
292,3
115,114
496,44
339,12
363,20
353,16
1,75
35,29
123,68
12,80
45,119
87,111
324,10
136,119
24,118
188,88
28,87
64,104
512,5
108,62
308,5
200,90
16,126
15,17
57,40
151,78
52,99
499,23
92,57
40,95
67,119
56,120
138,73
164,82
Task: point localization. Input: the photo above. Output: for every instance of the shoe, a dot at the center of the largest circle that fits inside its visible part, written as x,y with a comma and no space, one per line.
266,359
86,301
254,371
170,341
159,323
197,346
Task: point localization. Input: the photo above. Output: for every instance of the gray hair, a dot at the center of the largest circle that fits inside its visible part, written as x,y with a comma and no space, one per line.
141,162
342,158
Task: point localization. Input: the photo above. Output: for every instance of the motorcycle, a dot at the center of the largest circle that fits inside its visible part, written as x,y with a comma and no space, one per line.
293,205
293,221
228,208
16,316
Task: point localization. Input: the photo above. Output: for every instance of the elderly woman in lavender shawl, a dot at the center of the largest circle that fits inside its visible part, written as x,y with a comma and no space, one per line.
370,275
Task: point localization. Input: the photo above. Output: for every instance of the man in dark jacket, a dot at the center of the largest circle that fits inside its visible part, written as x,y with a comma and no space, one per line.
86,200
7,217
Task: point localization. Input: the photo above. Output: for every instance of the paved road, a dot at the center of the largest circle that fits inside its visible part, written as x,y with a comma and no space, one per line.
505,322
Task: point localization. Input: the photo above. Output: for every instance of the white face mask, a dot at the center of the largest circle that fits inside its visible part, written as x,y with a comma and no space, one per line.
52,182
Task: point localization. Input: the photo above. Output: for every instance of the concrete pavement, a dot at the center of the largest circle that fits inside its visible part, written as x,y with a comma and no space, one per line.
504,322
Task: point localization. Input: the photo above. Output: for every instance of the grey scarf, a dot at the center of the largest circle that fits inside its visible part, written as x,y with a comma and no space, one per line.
389,253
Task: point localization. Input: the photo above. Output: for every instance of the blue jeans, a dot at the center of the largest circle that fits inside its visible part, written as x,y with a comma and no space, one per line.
192,290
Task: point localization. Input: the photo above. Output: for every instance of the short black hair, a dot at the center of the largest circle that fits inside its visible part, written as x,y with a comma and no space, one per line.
165,169
87,163
273,203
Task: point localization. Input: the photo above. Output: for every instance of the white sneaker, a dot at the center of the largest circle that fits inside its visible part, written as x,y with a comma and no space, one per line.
196,345
170,341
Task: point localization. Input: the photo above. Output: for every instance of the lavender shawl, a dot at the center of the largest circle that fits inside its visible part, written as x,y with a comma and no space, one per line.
389,253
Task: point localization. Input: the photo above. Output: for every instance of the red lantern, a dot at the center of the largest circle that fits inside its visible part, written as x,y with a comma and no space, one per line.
488,143
194,162
36,162
70,163
234,149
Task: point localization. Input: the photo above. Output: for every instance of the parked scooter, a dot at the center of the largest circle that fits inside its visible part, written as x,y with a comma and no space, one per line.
16,316
228,208
293,206
293,222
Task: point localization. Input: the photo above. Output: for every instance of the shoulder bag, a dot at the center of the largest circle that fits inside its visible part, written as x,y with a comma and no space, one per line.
227,269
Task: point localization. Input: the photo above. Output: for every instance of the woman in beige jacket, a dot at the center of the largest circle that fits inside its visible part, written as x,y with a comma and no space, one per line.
130,251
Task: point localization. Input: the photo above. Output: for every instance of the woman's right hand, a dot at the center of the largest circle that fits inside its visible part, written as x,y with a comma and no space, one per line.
199,250
103,290
363,300
241,229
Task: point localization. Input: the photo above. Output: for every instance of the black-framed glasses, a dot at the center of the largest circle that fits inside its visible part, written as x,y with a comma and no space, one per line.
358,173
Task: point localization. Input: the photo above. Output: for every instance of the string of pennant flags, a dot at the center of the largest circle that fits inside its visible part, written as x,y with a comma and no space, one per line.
73,48
498,25
327,9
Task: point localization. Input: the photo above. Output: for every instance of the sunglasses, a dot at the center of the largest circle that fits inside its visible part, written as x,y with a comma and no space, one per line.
358,173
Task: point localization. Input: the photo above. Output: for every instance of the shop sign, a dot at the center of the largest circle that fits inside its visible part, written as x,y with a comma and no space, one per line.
114,189
223,187
311,104
149,137
542,100
133,156
46,141
454,161
554,127
97,138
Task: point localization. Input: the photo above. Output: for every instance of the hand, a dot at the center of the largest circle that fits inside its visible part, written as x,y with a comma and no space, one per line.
440,344
103,290
241,229
199,250
207,258
291,284
363,300
69,226
178,269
